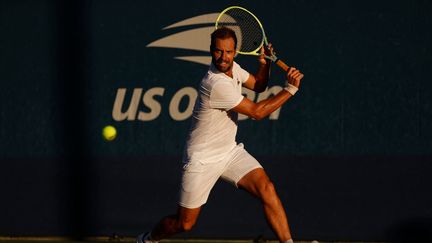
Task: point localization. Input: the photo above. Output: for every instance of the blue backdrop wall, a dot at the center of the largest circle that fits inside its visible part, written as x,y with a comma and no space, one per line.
350,154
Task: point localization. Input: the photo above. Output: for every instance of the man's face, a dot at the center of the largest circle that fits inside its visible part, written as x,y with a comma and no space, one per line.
223,55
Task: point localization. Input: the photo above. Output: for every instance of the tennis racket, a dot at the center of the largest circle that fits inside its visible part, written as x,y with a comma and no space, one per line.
249,31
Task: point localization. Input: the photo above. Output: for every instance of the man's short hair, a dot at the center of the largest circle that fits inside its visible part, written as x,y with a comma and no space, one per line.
223,33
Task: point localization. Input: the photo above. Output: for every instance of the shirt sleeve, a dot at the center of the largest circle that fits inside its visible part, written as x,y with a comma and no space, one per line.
243,75
224,95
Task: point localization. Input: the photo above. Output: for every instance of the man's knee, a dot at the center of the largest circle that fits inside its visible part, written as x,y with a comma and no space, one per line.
186,225
267,190
186,218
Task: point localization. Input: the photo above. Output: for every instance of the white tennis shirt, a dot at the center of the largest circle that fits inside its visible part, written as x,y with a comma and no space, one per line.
214,127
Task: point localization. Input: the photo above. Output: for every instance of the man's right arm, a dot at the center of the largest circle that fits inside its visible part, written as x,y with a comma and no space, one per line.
265,107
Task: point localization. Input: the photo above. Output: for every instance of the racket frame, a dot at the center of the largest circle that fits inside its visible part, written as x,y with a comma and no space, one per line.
263,41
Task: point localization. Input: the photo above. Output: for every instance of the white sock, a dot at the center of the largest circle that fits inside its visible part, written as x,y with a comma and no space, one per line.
289,241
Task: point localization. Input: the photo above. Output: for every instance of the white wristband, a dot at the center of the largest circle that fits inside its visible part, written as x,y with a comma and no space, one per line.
291,89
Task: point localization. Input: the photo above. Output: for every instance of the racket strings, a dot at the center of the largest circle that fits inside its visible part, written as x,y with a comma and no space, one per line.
248,30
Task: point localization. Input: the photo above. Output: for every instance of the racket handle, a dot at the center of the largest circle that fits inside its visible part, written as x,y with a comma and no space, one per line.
282,65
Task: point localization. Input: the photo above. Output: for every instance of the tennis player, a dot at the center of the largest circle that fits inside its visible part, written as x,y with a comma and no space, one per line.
211,150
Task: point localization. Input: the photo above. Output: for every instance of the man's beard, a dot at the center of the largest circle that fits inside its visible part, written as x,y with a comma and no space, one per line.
222,68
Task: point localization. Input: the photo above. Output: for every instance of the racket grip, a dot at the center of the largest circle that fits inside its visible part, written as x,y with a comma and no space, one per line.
282,65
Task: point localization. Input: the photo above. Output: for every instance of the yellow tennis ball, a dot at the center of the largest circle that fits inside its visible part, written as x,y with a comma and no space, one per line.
109,133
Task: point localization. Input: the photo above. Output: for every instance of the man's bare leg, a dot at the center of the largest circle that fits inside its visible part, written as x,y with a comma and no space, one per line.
259,185
170,225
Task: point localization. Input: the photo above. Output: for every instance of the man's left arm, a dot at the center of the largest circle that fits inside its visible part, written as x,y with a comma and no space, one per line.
258,82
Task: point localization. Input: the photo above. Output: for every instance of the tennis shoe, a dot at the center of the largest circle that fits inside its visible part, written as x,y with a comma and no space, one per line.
145,238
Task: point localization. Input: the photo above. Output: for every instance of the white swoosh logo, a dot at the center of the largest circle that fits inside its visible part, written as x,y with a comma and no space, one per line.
197,39
201,19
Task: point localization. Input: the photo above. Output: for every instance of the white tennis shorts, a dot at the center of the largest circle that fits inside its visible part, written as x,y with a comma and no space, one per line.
198,178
